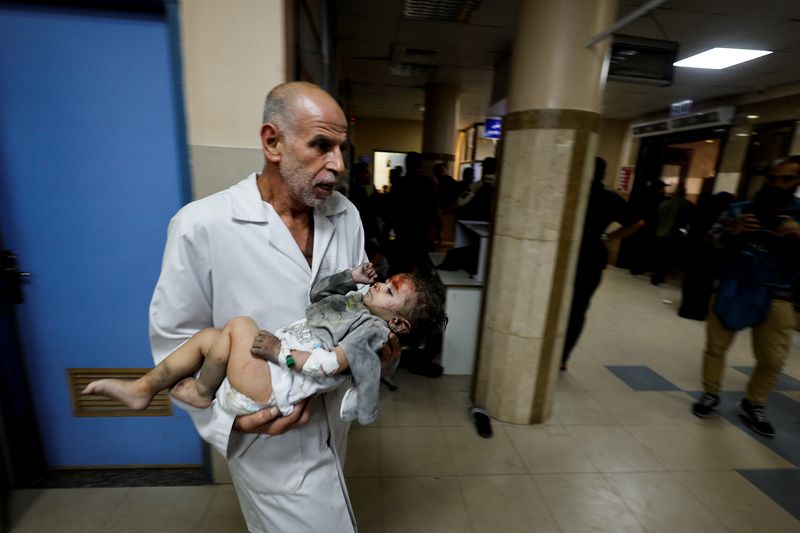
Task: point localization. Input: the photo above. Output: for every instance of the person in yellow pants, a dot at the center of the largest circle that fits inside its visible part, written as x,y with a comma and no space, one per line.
760,240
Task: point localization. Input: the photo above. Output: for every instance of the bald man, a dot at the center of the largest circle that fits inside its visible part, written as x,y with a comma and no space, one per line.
255,250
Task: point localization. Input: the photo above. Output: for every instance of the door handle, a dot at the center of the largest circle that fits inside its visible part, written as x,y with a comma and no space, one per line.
11,279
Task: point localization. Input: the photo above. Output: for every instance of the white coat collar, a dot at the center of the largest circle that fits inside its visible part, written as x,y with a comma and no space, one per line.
247,206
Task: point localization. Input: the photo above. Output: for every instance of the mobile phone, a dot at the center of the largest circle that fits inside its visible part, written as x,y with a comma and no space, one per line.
769,219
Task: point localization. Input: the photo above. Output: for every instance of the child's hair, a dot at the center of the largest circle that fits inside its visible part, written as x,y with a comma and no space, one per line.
427,315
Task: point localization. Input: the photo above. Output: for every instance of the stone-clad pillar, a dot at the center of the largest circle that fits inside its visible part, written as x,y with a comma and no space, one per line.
440,126
546,161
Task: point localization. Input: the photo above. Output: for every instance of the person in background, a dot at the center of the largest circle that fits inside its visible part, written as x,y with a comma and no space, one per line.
467,179
274,233
701,267
604,207
362,194
759,243
448,188
643,241
476,202
675,215
415,217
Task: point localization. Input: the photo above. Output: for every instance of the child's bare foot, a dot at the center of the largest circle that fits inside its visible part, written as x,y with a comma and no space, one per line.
186,391
266,346
128,392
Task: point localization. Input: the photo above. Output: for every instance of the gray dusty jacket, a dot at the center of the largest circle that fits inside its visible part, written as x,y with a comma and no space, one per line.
338,316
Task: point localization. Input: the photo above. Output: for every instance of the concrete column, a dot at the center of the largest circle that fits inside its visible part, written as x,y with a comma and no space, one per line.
440,126
546,160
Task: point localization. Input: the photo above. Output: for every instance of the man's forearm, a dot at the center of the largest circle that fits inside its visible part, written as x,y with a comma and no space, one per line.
625,231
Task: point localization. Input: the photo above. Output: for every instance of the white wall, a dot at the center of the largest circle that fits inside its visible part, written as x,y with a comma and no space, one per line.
233,53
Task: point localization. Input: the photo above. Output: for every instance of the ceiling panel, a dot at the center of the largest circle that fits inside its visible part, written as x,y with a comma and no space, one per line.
499,13
363,49
366,28
373,35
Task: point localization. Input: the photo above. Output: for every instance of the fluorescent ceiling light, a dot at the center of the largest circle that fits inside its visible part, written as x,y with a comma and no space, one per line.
718,58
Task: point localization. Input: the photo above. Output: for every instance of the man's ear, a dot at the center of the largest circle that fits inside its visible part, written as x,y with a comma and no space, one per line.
399,324
271,142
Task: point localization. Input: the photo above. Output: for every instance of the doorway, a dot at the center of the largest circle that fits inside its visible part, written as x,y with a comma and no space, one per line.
684,162
768,142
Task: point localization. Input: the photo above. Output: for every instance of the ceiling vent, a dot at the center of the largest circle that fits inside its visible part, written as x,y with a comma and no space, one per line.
415,56
410,71
720,116
419,56
441,10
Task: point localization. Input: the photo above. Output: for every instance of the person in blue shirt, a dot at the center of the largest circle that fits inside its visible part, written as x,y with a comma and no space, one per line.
759,243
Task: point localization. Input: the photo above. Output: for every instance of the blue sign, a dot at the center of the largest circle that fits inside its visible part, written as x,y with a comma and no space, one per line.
492,128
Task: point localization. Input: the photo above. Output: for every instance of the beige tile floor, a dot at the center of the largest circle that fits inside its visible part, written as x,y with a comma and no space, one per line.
609,459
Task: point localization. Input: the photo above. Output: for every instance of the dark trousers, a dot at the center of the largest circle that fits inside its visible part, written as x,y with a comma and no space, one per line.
666,256
587,280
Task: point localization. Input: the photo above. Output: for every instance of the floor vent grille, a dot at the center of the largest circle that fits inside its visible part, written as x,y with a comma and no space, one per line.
86,405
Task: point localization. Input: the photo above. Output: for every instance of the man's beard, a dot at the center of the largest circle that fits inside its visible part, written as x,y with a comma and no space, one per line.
300,182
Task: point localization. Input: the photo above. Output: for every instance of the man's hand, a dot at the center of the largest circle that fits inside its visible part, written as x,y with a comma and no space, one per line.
746,222
390,355
269,422
788,227
364,273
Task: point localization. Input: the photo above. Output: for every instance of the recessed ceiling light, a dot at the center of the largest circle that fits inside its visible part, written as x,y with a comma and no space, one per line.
743,135
753,117
719,58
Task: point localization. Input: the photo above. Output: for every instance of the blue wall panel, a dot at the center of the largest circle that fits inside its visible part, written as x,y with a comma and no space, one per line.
91,170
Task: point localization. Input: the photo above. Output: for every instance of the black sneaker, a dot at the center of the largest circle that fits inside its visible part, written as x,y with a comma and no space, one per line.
706,406
756,418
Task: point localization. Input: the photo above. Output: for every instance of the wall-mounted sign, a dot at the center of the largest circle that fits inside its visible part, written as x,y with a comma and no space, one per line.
684,107
492,128
719,116
625,179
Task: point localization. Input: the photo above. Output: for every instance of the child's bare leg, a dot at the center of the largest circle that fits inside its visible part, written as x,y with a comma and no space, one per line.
184,361
248,374
200,391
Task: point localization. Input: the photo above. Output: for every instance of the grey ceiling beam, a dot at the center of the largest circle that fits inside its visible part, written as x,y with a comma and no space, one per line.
624,21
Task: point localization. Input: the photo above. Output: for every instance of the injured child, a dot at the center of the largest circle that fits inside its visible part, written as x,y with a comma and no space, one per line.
248,370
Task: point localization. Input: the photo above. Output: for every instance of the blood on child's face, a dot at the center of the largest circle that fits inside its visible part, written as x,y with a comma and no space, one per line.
389,299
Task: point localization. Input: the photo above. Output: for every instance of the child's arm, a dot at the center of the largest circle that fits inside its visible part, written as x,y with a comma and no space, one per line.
364,273
300,358
268,347
343,282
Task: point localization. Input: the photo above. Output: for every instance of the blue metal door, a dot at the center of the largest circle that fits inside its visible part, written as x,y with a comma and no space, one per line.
92,166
